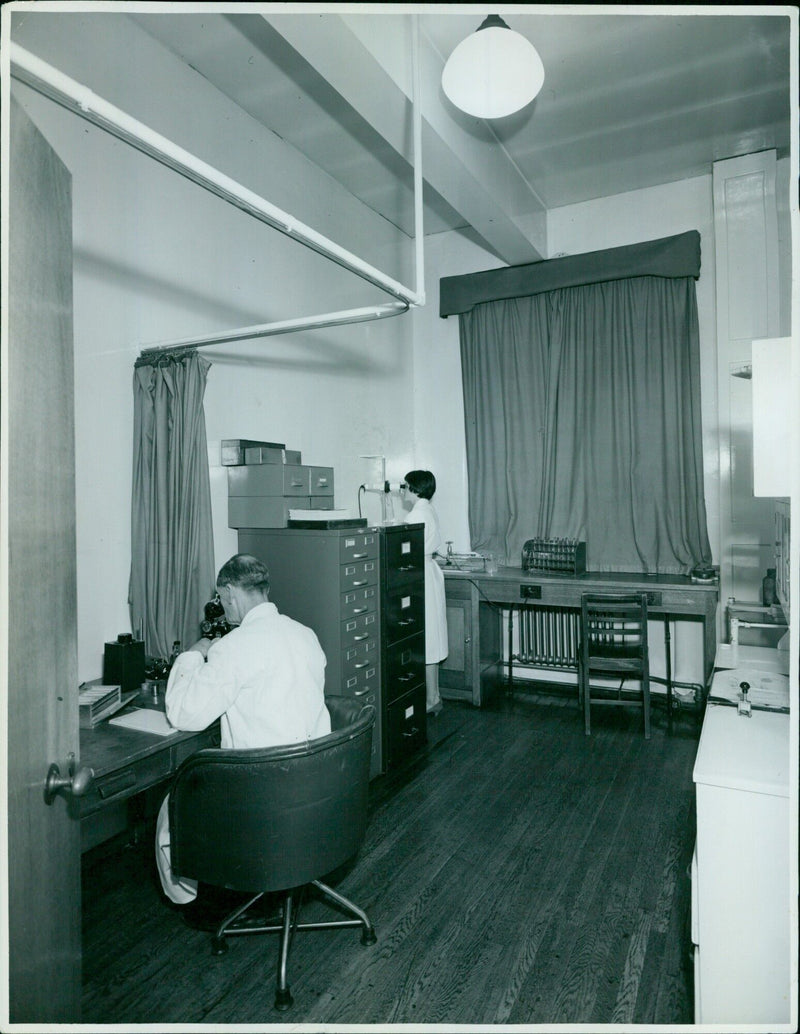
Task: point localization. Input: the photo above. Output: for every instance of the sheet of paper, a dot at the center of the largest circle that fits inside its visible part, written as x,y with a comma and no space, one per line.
145,719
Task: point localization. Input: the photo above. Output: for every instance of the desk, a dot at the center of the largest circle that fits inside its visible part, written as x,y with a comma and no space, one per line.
126,762
475,599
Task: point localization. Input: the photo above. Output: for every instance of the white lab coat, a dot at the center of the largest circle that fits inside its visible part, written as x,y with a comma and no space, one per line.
435,614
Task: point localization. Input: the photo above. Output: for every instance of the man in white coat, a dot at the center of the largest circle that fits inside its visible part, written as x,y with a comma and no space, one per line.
264,680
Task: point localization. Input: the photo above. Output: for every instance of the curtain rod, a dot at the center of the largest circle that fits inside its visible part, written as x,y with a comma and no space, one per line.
83,102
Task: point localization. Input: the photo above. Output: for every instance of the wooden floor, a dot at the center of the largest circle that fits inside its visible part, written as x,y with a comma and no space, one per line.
519,873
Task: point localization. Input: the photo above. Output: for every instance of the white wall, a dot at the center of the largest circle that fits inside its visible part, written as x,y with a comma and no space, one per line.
157,258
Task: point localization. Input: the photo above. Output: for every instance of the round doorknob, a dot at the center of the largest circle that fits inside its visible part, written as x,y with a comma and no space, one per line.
74,785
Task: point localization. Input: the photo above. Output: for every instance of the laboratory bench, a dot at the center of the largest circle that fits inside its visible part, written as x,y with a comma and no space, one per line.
477,602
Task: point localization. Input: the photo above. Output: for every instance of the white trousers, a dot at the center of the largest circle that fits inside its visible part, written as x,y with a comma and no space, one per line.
181,891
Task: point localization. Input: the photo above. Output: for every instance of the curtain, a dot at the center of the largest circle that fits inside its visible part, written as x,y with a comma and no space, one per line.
172,546
582,412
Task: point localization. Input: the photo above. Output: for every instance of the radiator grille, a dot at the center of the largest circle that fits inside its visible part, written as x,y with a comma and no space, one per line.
548,637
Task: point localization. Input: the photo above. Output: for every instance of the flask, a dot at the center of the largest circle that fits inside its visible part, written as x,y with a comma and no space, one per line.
768,587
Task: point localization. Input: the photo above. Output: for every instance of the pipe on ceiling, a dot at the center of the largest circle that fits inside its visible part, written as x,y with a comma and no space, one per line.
77,98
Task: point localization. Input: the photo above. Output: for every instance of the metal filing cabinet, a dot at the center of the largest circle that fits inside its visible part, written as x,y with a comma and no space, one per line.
328,579
402,587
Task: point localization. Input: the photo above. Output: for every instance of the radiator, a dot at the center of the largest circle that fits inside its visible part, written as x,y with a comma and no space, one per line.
548,637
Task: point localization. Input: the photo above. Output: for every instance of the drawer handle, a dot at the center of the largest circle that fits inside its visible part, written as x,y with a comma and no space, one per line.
361,664
358,638
361,692
406,678
406,621
359,610
364,582
407,567
360,556
413,732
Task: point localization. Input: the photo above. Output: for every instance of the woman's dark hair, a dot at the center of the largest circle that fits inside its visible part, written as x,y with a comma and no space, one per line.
245,572
422,482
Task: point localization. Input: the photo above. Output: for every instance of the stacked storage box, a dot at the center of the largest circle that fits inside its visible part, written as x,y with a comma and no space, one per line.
266,480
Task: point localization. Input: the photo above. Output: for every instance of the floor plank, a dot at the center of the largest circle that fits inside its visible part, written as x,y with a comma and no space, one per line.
517,872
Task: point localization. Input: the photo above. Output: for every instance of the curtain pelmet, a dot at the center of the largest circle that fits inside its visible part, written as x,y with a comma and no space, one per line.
172,549
582,410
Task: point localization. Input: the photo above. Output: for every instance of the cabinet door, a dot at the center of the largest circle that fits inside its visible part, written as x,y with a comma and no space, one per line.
456,671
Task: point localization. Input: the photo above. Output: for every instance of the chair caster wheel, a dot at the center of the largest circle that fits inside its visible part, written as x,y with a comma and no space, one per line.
283,999
369,937
218,945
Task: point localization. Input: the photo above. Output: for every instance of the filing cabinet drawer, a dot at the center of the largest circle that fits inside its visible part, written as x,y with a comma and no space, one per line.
270,479
359,629
358,546
406,725
320,480
362,682
405,667
361,573
405,555
404,612
357,658
359,601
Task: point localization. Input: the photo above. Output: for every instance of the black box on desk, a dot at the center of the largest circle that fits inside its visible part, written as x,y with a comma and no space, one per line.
123,662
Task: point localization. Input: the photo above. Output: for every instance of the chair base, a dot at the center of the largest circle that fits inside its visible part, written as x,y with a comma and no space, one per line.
238,922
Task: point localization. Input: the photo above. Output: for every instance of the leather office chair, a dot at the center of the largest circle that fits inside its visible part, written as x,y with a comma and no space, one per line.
614,643
277,820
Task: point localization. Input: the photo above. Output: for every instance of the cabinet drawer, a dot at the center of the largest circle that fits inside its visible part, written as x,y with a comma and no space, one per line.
359,657
359,601
270,479
361,573
406,725
127,781
363,682
320,480
405,667
404,612
360,546
405,555
359,629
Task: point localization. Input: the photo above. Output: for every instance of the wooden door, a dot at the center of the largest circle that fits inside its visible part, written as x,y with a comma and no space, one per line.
43,840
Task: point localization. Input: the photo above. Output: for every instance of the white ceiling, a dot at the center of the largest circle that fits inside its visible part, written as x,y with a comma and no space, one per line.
629,101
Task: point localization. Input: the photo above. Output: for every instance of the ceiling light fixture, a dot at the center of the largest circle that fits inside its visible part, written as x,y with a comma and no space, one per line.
494,72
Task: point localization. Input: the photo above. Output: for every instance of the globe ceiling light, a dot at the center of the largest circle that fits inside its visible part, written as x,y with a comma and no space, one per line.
494,72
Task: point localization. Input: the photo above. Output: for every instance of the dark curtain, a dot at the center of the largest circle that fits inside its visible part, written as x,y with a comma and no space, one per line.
582,410
172,545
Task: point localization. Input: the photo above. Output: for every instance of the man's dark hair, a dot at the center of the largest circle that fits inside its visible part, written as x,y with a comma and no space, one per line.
245,572
422,482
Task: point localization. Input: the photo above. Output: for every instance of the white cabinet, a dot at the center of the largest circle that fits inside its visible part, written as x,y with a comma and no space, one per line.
741,873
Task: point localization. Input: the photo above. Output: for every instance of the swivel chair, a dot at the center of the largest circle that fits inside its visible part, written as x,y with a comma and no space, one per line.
277,820
614,643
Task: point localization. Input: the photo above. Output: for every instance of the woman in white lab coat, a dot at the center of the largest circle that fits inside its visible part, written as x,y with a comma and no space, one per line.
421,485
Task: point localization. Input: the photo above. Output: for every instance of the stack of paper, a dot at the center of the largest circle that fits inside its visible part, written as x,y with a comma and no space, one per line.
97,702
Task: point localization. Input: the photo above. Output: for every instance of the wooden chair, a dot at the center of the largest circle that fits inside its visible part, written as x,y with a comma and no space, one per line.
614,643
277,820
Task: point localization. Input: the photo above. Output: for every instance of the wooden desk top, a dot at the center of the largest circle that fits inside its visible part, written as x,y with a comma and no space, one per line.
676,592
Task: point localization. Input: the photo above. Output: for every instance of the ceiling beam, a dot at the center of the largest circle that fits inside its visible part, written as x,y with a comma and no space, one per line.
374,76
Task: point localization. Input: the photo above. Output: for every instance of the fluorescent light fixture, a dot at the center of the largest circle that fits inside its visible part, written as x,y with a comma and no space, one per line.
494,72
